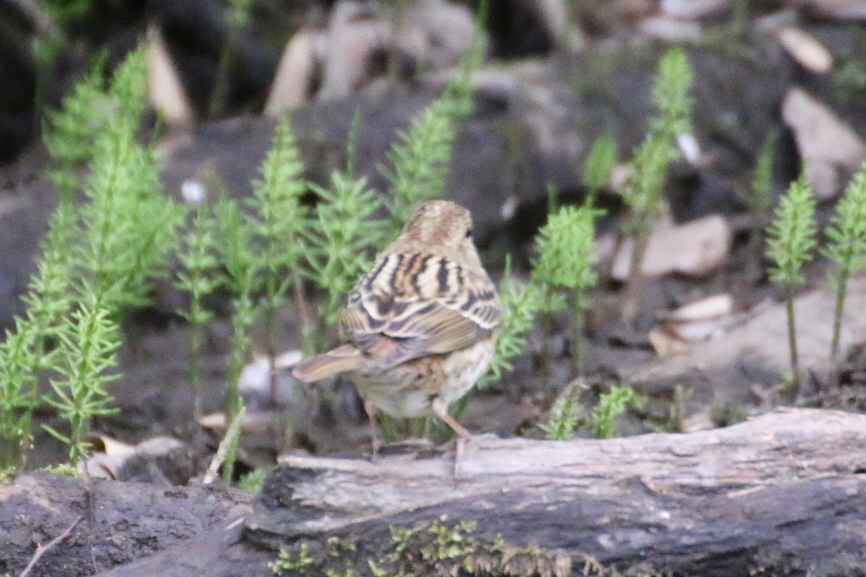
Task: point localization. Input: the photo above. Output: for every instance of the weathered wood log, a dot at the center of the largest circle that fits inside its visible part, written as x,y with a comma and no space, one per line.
784,493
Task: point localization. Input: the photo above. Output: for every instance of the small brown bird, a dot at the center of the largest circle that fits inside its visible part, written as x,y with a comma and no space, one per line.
420,328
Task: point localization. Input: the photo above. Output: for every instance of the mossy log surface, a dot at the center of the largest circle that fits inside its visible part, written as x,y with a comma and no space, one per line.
784,493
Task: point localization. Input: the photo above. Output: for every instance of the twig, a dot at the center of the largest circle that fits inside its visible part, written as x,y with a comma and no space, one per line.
231,434
42,549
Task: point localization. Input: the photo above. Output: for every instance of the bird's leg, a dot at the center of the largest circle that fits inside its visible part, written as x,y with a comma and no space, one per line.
375,437
440,409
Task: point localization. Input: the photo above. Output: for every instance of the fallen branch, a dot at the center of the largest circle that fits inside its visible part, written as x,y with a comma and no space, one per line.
43,549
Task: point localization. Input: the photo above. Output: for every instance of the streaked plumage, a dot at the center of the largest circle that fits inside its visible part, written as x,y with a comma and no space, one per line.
420,328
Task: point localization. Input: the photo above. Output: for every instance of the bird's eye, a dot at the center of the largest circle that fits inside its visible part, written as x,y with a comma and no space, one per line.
468,233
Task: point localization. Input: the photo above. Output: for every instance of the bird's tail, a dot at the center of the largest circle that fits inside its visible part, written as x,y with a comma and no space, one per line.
339,360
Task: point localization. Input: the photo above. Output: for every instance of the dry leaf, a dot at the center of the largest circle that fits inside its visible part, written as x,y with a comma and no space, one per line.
355,31
293,82
691,323
831,151
253,424
108,455
167,94
693,249
670,29
711,307
805,49
694,9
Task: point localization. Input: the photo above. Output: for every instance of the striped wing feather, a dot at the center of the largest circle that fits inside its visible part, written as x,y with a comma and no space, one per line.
417,304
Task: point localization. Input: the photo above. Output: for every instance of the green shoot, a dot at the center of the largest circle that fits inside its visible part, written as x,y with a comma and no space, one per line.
790,242
610,406
286,561
673,83
253,481
342,244
564,415
598,166
644,191
421,157
520,305
23,352
71,133
278,221
199,277
103,252
566,258
847,247
129,224
243,270
88,343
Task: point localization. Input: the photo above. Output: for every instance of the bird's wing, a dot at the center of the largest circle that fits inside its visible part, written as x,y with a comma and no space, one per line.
416,304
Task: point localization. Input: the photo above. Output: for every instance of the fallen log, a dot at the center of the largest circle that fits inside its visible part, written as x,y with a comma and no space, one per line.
784,493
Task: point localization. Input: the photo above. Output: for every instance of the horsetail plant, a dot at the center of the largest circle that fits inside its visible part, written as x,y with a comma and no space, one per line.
243,270
70,134
521,303
566,258
128,225
790,242
199,277
24,352
644,191
342,244
847,246
598,166
278,219
421,157
610,405
88,342
102,252
564,415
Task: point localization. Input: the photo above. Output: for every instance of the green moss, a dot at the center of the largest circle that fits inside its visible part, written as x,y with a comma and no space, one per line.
300,563
62,469
440,547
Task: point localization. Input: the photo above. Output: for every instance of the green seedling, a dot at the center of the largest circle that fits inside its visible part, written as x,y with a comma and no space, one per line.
847,246
566,257
790,243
